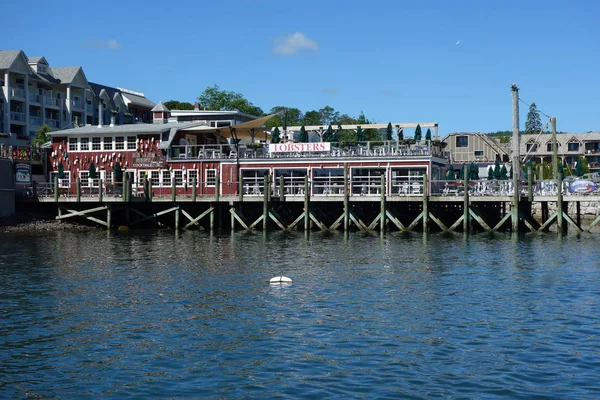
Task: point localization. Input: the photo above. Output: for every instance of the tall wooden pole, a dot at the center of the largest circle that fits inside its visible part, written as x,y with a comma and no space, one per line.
346,199
516,158
466,218
425,203
558,179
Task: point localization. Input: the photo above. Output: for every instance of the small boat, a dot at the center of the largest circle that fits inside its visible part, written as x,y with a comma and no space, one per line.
279,279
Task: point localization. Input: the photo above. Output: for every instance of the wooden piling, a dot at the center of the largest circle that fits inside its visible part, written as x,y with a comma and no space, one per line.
100,191
425,203
108,216
306,205
382,218
173,190
265,202
176,219
56,188
346,199
529,184
78,189
281,188
194,189
150,194
466,219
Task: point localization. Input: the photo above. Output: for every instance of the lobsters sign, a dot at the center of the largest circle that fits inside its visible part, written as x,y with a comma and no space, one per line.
299,147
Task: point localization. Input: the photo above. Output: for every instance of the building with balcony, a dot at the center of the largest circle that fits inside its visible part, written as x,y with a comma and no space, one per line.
33,93
466,147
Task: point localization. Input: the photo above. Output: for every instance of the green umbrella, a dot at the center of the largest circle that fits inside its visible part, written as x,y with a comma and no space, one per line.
578,168
400,134
428,135
275,136
303,135
118,172
360,135
451,173
497,169
61,171
490,173
503,173
473,172
92,169
329,135
561,170
418,134
388,132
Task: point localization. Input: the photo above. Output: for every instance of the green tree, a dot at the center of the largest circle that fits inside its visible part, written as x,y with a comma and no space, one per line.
328,115
288,116
216,99
533,123
178,105
312,118
41,136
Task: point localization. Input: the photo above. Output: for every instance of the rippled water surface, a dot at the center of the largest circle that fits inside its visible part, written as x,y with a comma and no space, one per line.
155,314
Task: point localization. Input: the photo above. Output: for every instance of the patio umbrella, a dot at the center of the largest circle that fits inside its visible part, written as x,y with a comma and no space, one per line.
578,168
503,173
360,135
118,172
303,135
329,135
561,170
275,135
473,172
497,169
92,170
428,135
400,134
490,173
451,173
61,171
418,135
388,132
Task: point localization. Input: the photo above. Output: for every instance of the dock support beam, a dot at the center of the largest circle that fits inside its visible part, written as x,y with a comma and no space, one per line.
266,202
516,158
108,216
425,203
382,217
466,217
346,199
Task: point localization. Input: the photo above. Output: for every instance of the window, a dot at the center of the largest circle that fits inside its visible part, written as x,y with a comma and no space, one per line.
166,178
141,178
85,144
178,176
131,143
96,143
72,144
107,176
531,147
462,141
211,177
84,177
120,143
549,146
63,183
573,146
155,178
108,144
192,177
478,153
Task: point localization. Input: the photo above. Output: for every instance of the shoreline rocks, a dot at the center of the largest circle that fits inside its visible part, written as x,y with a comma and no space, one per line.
29,223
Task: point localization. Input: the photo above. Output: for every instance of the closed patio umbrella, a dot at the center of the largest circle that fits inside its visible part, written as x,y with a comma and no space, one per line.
303,135
275,136
360,135
418,134
388,132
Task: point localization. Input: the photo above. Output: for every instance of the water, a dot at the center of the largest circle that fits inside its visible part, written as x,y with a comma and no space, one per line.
154,314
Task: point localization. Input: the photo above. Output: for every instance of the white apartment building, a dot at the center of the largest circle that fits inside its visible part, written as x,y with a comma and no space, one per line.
34,93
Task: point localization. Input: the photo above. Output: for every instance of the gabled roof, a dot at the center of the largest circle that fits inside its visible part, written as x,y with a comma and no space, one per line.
65,74
160,107
8,57
137,100
36,60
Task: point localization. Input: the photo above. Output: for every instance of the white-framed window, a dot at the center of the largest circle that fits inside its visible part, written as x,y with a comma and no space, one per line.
72,144
178,176
166,178
120,143
155,178
141,177
64,182
96,143
84,178
192,176
107,177
84,144
131,145
211,177
108,143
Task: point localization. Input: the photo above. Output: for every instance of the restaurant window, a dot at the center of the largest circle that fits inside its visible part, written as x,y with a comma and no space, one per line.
462,141
84,178
96,145
166,178
108,144
141,178
155,178
72,144
178,176
192,176
131,145
211,177
85,144
573,146
120,143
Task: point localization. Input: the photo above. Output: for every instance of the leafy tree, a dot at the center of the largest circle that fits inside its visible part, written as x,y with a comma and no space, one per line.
222,100
533,123
312,118
178,105
328,115
41,136
288,116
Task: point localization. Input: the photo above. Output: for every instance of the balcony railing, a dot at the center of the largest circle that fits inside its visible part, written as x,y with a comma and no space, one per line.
17,116
53,123
89,108
51,101
78,104
33,120
17,92
35,98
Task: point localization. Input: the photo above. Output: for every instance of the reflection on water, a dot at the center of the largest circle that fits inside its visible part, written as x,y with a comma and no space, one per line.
147,314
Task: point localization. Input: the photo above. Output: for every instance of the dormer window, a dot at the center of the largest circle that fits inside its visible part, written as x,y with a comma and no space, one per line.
41,68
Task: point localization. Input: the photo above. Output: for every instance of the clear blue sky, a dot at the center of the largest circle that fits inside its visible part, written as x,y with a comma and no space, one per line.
404,61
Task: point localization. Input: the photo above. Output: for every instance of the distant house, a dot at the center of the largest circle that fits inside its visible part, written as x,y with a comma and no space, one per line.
466,147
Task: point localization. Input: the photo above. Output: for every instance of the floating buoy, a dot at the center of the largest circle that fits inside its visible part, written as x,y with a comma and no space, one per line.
280,279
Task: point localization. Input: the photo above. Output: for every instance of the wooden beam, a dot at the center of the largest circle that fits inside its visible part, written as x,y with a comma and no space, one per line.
438,222
548,222
502,222
158,214
456,224
357,222
480,220
337,223
75,213
239,219
395,220
570,221
273,216
321,225
416,221
194,221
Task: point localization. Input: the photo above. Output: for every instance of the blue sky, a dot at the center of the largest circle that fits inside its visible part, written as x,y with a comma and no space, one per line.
403,61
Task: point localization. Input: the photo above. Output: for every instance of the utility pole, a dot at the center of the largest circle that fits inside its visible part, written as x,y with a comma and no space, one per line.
516,158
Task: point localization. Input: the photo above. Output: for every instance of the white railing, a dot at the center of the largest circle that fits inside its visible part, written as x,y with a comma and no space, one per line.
33,120
17,116
89,108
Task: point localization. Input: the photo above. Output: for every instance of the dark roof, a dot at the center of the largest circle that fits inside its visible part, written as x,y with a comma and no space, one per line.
138,100
65,74
8,57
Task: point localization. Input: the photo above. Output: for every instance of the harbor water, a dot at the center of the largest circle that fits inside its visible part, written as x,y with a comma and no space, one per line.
163,315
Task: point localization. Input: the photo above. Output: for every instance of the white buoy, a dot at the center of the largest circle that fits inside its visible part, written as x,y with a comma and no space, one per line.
280,279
